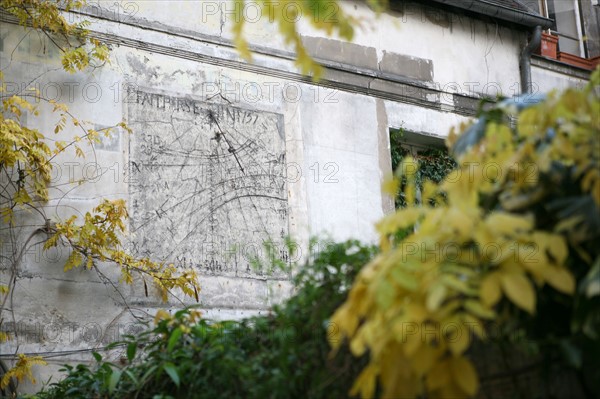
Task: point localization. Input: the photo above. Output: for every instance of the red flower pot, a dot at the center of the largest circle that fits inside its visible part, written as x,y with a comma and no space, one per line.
549,45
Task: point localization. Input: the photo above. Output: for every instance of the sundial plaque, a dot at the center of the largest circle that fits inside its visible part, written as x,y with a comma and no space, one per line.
207,183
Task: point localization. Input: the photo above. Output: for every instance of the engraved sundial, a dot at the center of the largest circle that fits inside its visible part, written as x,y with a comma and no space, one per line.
207,182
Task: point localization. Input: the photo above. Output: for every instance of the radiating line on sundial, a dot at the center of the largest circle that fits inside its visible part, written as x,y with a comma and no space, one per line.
189,197
247,226
221,204
248,139
231,150
258,215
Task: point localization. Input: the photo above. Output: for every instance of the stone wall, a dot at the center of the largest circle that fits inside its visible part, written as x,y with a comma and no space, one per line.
226,153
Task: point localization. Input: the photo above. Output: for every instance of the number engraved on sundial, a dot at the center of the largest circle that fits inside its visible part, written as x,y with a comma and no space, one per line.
207,183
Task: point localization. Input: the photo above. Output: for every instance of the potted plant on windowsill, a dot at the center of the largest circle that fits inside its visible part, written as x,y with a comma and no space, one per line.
549,47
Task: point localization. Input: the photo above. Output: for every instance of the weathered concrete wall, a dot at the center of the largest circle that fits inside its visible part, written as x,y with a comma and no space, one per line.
225,154
547,75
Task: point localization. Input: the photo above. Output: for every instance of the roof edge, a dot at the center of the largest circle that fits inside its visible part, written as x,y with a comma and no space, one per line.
500,12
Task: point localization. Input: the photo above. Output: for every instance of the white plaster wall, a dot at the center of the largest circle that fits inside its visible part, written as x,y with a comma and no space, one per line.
336,138
420,120
342,164
545,80
469,56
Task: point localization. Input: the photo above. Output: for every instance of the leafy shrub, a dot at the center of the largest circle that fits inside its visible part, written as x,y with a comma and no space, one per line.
282,355
511,245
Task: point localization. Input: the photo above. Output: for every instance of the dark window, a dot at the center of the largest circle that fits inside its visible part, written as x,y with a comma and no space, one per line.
565,14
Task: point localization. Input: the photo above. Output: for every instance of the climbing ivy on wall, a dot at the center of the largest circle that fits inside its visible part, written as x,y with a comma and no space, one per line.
433,163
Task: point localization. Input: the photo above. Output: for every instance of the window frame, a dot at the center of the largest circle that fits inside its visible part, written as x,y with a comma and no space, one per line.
578,25
414,143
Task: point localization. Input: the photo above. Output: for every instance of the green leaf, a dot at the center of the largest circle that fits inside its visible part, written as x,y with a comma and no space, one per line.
172,372
571,353
97,356
131,376
173,339
131,349
590,285
148,373
114,380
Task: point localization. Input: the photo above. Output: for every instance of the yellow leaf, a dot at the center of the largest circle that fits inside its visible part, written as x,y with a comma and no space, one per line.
51,242
439,376
459,339
489,291
436,296
396,376
452,391
503,223
474,325
21,369
519,290
458,284
74,260
404,279
464,375
385,294
365,383
358,345
558,248
561,279
401,219
424,359
161,315
448,309
343,322
416,312
412,343
476,308
390,186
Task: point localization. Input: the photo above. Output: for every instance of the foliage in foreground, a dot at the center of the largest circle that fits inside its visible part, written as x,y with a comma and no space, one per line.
511,244
282,355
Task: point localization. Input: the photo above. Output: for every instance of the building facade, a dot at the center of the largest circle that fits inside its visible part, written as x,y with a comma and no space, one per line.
227,154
